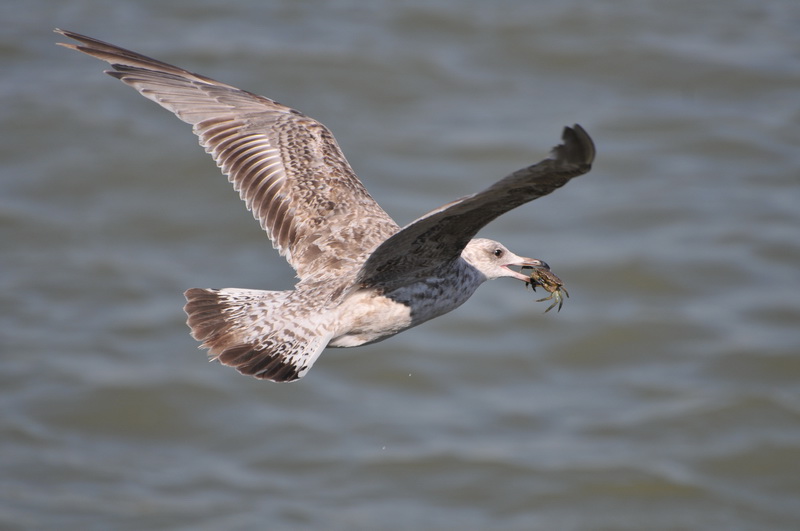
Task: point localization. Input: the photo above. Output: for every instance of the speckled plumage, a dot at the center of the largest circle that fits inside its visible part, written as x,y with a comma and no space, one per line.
361,277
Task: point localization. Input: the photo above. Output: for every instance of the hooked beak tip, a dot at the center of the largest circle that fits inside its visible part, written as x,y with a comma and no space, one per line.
530,263
527,263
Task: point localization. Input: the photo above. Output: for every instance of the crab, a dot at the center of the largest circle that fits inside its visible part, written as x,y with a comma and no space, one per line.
543,277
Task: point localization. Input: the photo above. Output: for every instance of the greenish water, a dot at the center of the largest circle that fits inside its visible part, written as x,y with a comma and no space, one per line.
664,396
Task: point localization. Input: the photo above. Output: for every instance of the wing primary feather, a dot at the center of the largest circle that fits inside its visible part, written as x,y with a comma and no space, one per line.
440,235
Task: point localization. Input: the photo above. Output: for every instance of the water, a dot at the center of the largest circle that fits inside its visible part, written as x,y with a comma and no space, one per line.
665,395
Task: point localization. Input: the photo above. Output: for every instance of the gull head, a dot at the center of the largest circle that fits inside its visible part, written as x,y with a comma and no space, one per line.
494,260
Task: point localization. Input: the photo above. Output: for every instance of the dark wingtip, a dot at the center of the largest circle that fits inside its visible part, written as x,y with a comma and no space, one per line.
578,148
65,34
70,35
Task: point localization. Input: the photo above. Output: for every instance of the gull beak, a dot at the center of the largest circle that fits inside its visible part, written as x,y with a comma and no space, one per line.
527,263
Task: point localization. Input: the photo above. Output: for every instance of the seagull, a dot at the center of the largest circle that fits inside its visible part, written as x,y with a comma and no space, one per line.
361,277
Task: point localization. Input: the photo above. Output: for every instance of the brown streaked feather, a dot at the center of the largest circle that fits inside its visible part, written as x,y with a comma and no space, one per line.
287,167
266,334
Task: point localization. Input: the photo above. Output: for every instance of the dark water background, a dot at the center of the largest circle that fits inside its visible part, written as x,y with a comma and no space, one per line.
665,395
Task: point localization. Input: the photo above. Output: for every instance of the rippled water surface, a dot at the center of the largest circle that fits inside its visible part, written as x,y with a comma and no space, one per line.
665,395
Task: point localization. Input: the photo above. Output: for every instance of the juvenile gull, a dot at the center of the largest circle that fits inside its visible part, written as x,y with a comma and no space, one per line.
362,278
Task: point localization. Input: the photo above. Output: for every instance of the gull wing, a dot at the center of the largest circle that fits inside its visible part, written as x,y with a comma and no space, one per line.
287,167
439,236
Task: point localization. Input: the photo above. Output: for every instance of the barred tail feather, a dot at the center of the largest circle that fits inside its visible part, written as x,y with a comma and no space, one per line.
254,331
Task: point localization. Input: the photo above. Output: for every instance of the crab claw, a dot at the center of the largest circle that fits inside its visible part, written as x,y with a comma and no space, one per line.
557,299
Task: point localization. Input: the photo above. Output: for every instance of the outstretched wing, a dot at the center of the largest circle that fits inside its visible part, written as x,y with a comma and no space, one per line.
287,167
440,235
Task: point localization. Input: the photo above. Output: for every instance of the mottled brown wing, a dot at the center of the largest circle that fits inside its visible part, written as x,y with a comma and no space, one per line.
441,235
287,167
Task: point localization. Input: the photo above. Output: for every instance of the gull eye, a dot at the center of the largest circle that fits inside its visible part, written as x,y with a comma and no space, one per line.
498,253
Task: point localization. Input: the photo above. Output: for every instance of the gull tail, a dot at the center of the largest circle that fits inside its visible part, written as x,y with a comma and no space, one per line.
260,333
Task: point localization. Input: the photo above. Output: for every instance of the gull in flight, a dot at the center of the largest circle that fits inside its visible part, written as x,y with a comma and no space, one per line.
362,277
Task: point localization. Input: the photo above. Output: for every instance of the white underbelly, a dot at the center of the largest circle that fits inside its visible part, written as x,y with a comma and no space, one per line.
365,318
